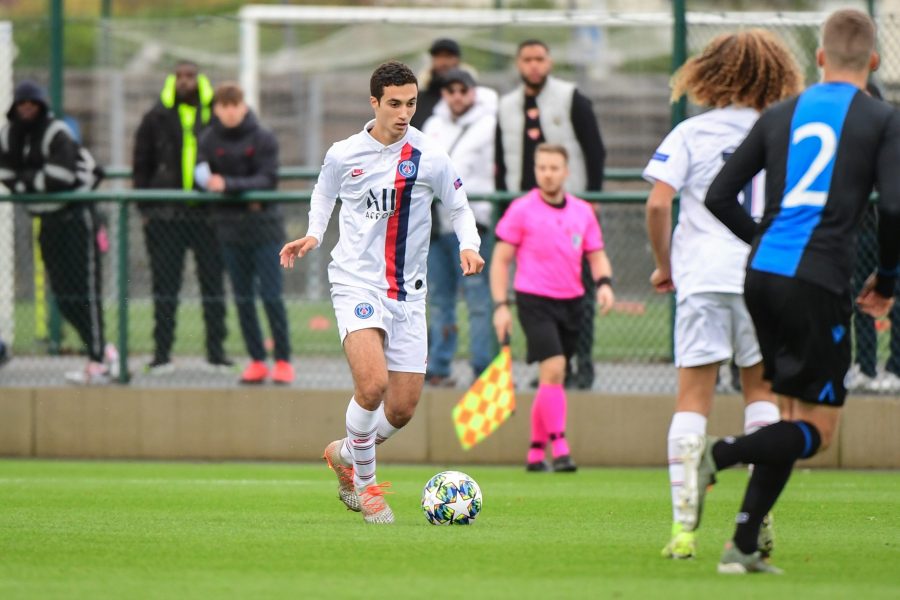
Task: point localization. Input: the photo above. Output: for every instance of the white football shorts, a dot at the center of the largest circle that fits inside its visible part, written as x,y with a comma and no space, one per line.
403,323
711,327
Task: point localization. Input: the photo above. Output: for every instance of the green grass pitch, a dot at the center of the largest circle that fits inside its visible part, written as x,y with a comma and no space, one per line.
185,530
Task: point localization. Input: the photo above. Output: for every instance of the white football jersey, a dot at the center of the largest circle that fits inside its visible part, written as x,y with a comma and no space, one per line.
385,218
706,256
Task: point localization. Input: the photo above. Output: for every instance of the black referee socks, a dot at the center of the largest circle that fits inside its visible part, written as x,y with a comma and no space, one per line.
777,444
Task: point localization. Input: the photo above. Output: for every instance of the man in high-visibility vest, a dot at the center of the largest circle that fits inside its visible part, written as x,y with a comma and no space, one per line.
165,153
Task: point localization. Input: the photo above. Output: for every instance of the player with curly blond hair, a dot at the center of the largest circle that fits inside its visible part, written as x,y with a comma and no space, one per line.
737,75
825,151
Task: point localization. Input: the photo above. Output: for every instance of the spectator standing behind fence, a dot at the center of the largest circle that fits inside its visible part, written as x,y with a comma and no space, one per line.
445,55
463,125
548,233
38,153
863,375
236,155
547,109
165,153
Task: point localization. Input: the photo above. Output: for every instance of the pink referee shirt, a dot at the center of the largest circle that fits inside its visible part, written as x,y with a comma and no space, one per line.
550,243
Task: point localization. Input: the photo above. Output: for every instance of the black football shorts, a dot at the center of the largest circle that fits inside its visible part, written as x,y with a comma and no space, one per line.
804,336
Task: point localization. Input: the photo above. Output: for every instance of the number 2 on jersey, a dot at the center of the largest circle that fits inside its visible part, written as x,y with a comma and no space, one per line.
801,195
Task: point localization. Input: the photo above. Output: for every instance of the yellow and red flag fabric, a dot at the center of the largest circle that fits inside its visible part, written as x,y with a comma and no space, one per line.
488,403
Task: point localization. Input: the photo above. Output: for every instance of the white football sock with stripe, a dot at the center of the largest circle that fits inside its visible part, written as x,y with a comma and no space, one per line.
384,431
683,424
361,427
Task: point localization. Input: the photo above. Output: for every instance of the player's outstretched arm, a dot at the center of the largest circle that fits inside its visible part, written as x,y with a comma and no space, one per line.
470,262
296,249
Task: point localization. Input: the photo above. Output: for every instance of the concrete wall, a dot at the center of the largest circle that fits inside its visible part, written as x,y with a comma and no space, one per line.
276,424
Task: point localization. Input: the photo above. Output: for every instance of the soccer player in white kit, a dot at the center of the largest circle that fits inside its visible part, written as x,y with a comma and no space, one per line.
386,176
737,75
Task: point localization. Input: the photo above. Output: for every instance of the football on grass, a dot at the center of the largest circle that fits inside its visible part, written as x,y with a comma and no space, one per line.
451,498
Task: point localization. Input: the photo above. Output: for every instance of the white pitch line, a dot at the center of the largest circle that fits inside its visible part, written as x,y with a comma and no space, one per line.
113,481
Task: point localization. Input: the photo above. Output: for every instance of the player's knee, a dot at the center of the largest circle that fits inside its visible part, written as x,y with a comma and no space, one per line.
816,438
372,391
825,436
553,370
399,416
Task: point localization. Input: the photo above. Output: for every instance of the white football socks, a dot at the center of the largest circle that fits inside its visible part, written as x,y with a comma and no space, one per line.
756,415
759,414
384,431
683,424
362,425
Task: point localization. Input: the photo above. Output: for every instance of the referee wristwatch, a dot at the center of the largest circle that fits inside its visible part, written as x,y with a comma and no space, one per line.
605,280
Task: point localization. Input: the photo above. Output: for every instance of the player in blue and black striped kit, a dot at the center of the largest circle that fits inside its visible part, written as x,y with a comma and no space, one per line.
823,152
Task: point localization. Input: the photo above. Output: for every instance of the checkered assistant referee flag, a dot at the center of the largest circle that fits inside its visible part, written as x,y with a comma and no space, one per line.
488,403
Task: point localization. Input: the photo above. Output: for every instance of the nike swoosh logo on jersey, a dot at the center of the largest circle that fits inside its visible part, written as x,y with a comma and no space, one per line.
356,172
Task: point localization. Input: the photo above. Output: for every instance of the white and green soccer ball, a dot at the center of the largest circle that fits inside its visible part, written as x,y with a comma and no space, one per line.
451,498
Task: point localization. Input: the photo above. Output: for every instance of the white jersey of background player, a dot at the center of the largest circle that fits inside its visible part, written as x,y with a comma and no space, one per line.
386,177
737,75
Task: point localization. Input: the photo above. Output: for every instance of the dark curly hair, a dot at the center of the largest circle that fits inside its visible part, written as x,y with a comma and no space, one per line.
390,73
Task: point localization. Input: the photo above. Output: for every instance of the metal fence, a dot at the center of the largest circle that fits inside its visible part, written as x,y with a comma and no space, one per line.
621,62
632,346
632,349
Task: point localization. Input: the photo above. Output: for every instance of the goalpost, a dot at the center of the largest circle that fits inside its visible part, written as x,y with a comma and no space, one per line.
251,17
645,28
7,239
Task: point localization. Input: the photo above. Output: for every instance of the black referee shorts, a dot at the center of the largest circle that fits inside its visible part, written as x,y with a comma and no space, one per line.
804,336
551,326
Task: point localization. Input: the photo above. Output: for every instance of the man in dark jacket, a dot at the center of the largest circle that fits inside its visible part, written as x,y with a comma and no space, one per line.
165,153
39,154
445,55
237,155
547,109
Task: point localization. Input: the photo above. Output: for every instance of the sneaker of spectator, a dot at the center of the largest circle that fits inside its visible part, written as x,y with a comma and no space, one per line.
94,373
886,383
159,367
111,359
858,381
283,372
219,365
255,372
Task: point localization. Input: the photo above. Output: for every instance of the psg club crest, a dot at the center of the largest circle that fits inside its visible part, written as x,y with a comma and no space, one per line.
364,310
407,168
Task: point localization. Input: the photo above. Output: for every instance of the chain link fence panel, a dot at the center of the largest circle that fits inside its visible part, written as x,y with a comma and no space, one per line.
623,68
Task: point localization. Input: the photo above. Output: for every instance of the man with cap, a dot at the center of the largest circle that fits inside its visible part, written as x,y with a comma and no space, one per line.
463,124
445,55
39,154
